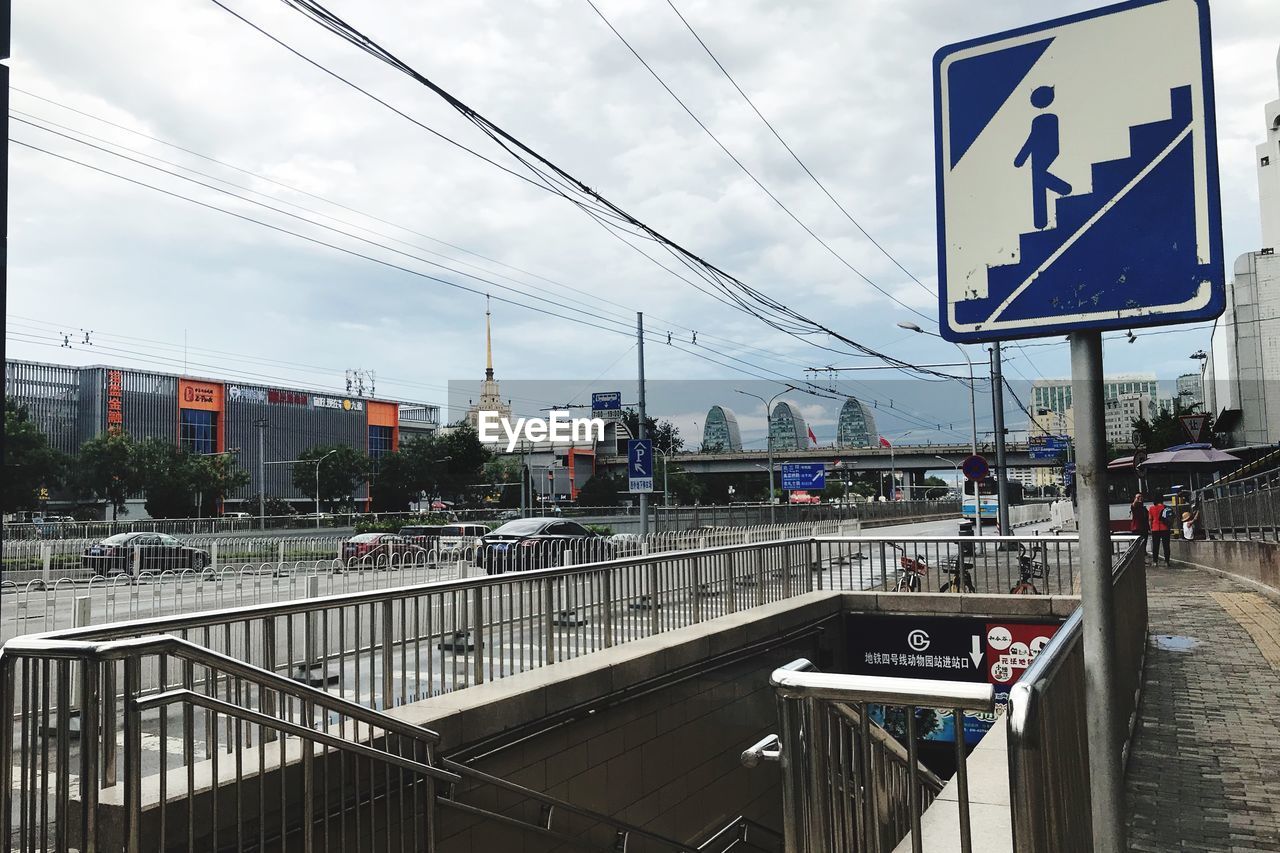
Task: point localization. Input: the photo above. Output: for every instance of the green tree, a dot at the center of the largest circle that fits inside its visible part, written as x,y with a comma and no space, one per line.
341,469
602,490
1165,430
686,489
501,475
273,507
665,435
105,469
460,458
395,483
29,462
163,472
214,476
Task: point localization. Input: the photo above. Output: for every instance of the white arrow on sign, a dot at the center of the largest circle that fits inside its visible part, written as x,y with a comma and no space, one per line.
976,654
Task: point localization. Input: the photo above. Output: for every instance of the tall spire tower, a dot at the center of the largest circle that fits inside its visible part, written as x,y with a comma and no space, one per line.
490,396
488,343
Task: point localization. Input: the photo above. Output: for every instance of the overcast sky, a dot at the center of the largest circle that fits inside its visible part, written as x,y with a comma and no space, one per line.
848,84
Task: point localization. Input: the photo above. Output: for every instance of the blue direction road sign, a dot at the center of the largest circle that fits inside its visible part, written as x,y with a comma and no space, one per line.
1046,446
607,405
640,465
803,476
1077,175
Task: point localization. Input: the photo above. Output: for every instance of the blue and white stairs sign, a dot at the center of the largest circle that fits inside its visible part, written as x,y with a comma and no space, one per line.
1077,175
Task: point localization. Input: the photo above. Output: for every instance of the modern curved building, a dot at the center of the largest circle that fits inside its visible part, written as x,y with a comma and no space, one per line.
856,426
787,429
720,433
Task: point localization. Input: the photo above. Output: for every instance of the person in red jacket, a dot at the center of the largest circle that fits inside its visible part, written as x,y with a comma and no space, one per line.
1161,518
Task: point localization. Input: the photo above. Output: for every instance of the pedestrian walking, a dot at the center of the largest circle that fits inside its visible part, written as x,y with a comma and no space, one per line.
1139,522
1162,519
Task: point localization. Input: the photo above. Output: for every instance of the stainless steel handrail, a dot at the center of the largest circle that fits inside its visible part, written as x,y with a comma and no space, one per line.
837,769
881,690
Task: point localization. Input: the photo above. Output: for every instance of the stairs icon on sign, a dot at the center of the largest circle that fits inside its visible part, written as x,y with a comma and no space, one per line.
1050,278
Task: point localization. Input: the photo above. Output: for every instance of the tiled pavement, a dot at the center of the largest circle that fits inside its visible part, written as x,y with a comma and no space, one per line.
1205,770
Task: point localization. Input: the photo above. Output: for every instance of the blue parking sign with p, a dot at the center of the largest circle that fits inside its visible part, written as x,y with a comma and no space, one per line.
640,465
1077,175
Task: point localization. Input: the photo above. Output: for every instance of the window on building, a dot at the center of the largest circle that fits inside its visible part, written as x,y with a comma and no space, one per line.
380,441
199,431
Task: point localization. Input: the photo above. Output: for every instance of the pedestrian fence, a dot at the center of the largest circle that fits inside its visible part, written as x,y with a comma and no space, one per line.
1050,778
143,585
157,722
1247,508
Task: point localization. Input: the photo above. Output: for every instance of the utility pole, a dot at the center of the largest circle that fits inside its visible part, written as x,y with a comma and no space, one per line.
261,424
644,498
997,403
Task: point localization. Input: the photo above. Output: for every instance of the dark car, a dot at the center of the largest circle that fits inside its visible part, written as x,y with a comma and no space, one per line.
126,553
536,543
379,548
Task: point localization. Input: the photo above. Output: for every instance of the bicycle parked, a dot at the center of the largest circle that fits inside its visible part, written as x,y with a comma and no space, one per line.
1029,570
910,571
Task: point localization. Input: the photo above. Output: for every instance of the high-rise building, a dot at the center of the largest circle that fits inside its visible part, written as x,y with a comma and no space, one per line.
856,426
1242,373
720,433
787,428
1119,414
1190,392
1268,161
490,396
1055,394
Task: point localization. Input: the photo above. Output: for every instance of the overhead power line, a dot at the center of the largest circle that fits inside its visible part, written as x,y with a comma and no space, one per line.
742,166
751,300
794,155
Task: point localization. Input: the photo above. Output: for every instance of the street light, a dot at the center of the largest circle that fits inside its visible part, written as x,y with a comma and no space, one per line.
973,414
318,461
768,435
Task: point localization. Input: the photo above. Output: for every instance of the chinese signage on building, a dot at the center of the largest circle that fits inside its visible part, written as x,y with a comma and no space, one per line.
292,398
193,394
337,403
115,402
241,394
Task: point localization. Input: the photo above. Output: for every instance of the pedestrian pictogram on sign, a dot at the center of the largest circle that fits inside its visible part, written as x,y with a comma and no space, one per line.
1077,175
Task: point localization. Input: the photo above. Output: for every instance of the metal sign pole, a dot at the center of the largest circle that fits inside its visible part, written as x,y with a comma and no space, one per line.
1106,770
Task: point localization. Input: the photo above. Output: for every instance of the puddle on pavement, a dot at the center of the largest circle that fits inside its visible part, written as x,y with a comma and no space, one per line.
1174,643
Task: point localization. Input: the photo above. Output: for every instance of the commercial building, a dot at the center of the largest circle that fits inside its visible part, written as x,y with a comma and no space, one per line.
720,434
1242,373
73,404
856,426
787,428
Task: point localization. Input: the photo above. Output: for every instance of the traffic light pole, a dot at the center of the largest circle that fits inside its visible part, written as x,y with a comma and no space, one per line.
1002,473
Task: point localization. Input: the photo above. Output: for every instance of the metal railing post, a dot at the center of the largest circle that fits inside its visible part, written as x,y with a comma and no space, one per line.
606,593
133,755
388,657
548,620
479,640
108,703
794,793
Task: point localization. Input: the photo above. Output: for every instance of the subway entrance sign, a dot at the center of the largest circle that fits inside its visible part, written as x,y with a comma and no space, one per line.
1077,175
986,651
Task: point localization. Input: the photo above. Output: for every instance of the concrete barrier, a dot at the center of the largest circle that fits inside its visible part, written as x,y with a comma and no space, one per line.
1255,562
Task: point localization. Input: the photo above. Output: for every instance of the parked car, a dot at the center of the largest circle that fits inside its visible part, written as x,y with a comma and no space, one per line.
455,538
154,552
423,535
536,543
379,548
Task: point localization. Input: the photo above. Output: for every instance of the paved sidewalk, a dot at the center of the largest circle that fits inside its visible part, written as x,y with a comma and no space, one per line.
1205,769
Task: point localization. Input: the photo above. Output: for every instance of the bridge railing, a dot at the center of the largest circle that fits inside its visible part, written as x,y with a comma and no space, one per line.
1049,780
1247,508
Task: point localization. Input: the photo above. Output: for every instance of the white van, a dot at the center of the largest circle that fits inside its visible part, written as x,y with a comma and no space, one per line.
455,538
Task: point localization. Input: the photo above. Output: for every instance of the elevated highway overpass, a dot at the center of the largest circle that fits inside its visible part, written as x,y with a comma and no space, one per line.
916,458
